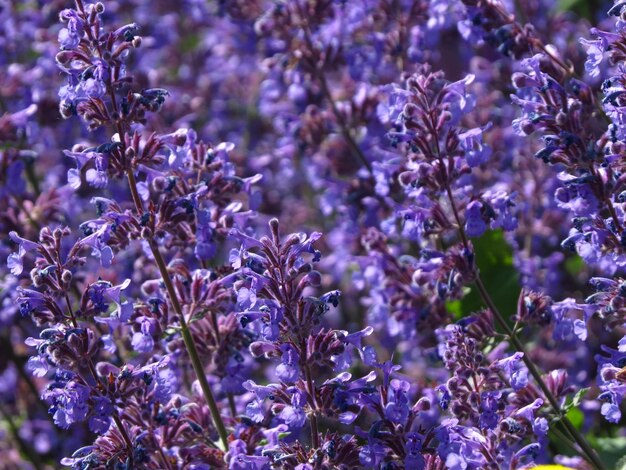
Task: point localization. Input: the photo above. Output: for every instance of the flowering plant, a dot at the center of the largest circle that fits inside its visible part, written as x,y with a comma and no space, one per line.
313,234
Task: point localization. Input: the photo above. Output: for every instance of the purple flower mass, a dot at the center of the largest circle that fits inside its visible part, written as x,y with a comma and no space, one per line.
312,234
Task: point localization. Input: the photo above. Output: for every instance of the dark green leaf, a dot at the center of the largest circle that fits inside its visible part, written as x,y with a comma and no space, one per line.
576,417
495,260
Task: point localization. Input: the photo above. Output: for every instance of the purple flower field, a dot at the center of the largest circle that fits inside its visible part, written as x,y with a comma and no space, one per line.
312,234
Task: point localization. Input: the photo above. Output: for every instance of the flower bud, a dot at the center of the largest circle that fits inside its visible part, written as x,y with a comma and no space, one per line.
66,277
66,109
261,348
35,277
130,153
274,228
64,57
423,404
314,278
520,80
527,127
158,184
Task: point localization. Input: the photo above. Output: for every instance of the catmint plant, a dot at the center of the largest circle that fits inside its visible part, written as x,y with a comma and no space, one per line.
314,234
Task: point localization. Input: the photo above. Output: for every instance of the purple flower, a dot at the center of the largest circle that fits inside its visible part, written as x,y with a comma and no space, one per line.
239,460
529,452
254,409
489,407
475,224
95,176
413,446
595,52
353,341
39,365
205,246
528,412
331,297
316,131
288,370
502,204
143,340
15,260
97,240
69,403
294,416
30,301
596,48
476,153
371,455
101,293
460,102
610,410
70,37
514,370
568,324
397,409
612,386
100,418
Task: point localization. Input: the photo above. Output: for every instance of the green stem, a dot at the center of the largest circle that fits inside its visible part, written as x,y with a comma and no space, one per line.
232,405
532,368
565,439
121,126
190,344
315,437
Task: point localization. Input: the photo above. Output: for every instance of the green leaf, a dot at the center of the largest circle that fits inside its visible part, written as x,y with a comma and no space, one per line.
574,265
281,435
494,259
189,43
576,417
585,8
171,331
455,307
572,410
565,5
610,449
577,399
